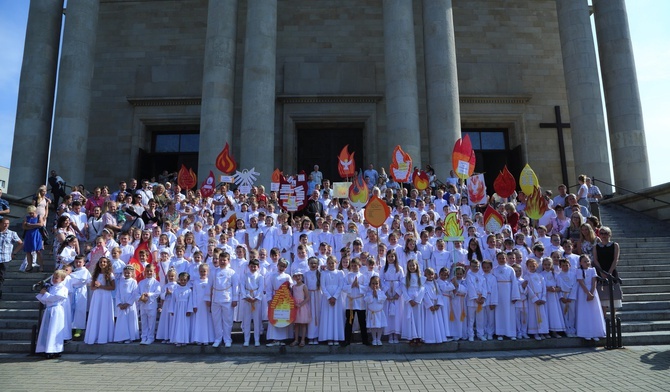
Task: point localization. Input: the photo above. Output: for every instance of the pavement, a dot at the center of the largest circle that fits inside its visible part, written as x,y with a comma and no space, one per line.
639,368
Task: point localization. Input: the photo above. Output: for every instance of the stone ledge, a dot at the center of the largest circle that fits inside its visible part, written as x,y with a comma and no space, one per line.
164,101
286,98
514,99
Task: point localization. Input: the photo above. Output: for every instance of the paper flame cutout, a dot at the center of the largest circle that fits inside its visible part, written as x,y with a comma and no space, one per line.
420,180
493,221
463,158
359,192
276,176
504,185
476,190
376,212
292,194
225,161
345,163
186,178
528,180
401,167
453,227
536,204
281,309
208,186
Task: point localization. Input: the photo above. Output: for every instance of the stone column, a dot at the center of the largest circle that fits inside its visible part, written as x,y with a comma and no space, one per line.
258,89
73,99
587,119
218,83
34,109
402,108
444,117
622,97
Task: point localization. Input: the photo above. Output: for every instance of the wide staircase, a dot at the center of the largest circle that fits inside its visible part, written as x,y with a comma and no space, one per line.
644,267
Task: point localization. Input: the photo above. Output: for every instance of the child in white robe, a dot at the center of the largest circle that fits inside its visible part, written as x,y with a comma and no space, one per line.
252,285
476,299
312,279
202,329
433,303
590,321
538,324
376,319
508,295
150,290
567,281
491,298
224,300
165,321
80,278
521,306
412,296
126,328
100,322
554,311
52,330
447,293
331,321
277,335
182,310
458,325
393,277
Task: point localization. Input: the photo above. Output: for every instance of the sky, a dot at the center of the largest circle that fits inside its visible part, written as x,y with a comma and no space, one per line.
650,32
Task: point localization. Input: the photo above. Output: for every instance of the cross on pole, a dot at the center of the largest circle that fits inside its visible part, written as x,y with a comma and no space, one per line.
558,125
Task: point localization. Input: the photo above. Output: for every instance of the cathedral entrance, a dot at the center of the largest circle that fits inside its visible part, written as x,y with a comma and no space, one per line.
170,148
492,150
321,143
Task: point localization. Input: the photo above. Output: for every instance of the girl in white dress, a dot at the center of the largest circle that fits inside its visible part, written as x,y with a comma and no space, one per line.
331,322
272,284
433,303
393,277
182,310
80,278
165,321
412,296
447,292
202,326
554,311
53,328
127,328
567,281
375,317
313,282
100,324
590,319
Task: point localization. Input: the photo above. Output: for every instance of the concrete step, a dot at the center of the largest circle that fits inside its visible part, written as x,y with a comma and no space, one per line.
17,323
20,296
645,326
645,289
636,281
16,334
658,267
644,259
26,314
655,338
631,273
7,305
643,315
646,297
647,305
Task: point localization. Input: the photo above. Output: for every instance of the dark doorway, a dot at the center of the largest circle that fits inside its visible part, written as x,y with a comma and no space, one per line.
320,144
171,147
492,150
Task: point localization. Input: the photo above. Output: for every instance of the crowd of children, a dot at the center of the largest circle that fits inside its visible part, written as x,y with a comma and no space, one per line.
220,260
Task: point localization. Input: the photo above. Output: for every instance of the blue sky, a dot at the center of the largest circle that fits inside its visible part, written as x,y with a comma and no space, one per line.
649,27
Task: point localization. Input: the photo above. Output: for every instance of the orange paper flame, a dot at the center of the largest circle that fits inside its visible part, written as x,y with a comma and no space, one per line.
376,212
281,309
359,192
493,221
536,204
401,167
225,161
420,180
345,163
276,176
505,184
186,178
463,158
476,189
453,228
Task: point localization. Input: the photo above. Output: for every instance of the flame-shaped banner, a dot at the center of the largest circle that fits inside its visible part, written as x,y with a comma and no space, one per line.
208,186
275,180
225,161
536,204
420,180
359,192
292,194
453,227
186,178
401,166
493,221
281,309
528,180
476,190
376,212
504,185
345,163
463,158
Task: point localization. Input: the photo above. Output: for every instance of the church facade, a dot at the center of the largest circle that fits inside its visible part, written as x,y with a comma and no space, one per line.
148,85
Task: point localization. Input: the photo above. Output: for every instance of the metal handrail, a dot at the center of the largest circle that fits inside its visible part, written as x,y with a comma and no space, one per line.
629,191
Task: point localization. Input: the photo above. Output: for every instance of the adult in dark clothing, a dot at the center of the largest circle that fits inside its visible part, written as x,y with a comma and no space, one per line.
314,207
57,185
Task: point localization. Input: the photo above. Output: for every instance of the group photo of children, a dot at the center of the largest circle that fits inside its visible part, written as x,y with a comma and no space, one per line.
151,263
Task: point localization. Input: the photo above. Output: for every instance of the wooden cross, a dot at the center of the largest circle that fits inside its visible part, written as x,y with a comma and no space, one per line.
558,125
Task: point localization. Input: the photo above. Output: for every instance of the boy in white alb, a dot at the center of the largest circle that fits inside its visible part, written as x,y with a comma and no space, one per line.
355,289
224,300
251,286
149,290
491,299
475,301
126,328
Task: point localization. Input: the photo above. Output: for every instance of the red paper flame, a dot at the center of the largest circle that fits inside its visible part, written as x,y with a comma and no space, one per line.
401,167
186,178
376,212
420,180
208,187
493,221
536,204
225,161
453,227
359,192
345,163
463,153
505,184
476,189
